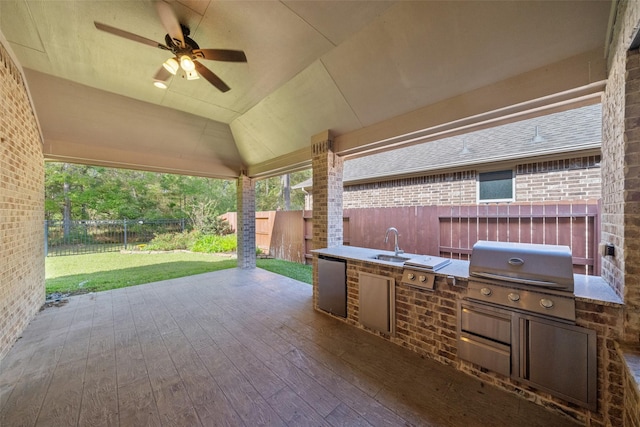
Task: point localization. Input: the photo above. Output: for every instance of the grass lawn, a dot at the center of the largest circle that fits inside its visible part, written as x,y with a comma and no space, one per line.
294,270
111,270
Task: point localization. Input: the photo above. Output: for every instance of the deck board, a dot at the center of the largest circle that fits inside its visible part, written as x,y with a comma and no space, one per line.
232,348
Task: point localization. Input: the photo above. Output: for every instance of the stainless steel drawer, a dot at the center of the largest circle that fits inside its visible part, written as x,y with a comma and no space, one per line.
493,356
493,324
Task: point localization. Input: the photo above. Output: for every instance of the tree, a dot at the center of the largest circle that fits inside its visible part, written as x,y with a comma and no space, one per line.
275,193
93,193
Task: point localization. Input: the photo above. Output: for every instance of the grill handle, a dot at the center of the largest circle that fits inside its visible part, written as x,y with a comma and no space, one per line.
516,261
520,280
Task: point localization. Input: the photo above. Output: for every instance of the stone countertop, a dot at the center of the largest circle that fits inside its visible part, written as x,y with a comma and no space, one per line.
588,288
355,253
594,289
631,355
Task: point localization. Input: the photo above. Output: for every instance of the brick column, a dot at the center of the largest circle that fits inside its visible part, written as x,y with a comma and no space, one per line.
246,194
327,199
327,193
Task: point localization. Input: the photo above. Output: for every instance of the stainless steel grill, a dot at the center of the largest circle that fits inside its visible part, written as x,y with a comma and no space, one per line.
518,319
545,266
528,277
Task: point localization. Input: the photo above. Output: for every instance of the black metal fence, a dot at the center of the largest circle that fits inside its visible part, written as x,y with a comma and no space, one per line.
81,237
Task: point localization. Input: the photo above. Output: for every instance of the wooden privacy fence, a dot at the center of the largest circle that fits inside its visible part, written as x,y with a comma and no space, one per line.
278,233
575,225
448,231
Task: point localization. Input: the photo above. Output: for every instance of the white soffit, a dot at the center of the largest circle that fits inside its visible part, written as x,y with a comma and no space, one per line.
116,125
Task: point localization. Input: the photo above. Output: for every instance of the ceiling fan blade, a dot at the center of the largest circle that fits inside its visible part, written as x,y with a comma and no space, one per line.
210,77
221,55
170,22
127,35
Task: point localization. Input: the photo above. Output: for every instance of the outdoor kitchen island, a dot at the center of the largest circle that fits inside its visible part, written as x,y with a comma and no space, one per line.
420,311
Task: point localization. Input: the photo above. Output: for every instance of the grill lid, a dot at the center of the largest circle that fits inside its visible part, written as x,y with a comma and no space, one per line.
548,266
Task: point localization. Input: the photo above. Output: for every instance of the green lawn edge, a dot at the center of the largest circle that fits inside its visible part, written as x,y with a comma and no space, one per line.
76,274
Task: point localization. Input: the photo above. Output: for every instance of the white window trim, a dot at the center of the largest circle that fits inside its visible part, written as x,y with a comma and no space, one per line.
513,188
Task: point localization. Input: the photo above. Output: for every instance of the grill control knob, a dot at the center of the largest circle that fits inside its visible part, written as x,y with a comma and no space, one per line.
513,297
411,276
485,291
546,303
422,278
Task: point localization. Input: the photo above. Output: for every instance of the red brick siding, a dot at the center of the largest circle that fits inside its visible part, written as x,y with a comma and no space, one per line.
560,180
569,179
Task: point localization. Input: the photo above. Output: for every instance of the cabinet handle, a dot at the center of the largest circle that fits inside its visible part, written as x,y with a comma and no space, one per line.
513,297
523,348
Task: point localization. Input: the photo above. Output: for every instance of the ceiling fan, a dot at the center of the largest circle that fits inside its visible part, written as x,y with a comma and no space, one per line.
185,50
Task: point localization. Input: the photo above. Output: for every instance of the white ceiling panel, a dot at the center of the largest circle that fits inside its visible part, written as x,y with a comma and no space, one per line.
338,20
419,53
284,121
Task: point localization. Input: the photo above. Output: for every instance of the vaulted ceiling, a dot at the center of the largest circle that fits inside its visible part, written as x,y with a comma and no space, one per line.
366,70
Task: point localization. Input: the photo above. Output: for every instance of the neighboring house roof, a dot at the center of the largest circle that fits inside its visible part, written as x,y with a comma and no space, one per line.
564,132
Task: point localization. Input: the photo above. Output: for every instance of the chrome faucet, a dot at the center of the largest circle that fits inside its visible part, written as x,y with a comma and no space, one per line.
397,249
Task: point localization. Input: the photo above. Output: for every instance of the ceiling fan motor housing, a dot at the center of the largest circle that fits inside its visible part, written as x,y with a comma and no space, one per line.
176,48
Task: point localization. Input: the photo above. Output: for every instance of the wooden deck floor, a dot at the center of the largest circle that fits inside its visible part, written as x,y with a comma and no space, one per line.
234,348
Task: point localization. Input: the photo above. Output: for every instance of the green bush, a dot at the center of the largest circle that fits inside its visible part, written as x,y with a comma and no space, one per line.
173,241
215,244
215,225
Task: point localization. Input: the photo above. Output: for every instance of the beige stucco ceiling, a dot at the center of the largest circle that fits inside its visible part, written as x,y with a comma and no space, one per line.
366,70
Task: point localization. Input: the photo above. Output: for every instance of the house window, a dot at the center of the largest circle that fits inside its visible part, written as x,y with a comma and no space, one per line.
496,186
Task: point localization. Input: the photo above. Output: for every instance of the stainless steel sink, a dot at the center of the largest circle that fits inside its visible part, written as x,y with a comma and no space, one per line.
390,258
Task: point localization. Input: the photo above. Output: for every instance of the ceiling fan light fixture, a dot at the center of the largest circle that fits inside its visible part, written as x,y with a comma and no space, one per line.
160,84
192,75
187,63
171,65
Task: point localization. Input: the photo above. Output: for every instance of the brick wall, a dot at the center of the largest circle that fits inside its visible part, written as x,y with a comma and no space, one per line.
632,391
632,199
21,207
606,320
613,105
621,197
560,180
439,189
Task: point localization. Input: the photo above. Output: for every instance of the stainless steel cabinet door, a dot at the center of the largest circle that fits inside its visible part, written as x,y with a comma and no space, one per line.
332,286
559,358
377,302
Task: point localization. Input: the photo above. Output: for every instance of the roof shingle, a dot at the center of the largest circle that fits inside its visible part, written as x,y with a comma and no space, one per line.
566,131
